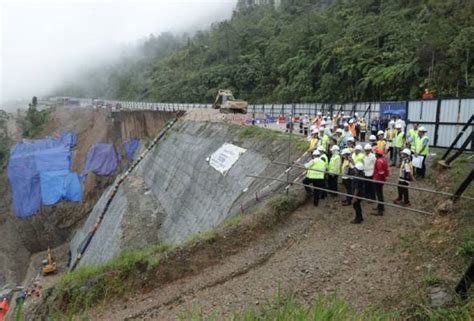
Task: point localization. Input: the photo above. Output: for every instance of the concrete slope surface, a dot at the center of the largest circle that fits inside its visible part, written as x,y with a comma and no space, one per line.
175,193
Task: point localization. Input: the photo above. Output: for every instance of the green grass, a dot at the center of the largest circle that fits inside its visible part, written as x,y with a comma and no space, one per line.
431,279
207,237
466,248
287,308
18,309
298,142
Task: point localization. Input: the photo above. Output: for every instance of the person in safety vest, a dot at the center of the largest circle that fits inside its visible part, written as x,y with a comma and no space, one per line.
324,156
358,155
369,164
340,138
346,170
363,129
373,140
324,139
313,141
381,143
406,176
381,173
347,133
390,137
334,169
398,144
422,149
315,176
358,191
350,144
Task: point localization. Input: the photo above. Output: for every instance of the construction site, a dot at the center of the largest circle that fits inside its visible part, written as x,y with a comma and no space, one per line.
205,215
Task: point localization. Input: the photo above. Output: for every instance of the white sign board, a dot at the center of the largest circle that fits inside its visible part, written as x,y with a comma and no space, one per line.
225,157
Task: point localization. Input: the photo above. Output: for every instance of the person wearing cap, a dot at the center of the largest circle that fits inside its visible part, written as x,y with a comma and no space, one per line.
381,173
347,133
319,118
413,132
381,143
358,191
334,168
352,128
324,156
401,122
398,144
390,136
324,142
346,171
406,176
340,138
373,140
362,129
315,176
422,149
350,144
305,125
369,165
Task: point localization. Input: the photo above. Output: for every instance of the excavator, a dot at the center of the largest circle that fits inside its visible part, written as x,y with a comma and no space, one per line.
49,265
226,103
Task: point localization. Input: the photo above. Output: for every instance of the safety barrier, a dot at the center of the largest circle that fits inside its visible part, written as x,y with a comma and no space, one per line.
86,242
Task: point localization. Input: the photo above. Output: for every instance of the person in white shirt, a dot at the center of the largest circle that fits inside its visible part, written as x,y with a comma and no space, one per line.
369,164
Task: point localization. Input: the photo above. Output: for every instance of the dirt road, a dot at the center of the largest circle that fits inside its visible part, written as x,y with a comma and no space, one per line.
316,251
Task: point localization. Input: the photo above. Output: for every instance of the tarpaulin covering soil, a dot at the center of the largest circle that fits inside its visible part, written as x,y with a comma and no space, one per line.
131,147
59,185
102,160
30,159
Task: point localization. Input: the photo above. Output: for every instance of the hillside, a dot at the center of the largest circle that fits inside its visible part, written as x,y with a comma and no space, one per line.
300,52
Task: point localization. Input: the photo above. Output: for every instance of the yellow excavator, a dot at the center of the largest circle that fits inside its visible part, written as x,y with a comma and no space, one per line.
49,265
226,103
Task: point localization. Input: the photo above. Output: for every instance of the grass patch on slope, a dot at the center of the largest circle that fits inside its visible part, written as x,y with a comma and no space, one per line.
298,142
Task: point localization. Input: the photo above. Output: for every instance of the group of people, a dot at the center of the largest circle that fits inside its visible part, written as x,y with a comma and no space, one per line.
340,148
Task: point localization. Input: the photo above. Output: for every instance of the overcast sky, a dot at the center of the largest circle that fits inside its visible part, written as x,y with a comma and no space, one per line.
42,42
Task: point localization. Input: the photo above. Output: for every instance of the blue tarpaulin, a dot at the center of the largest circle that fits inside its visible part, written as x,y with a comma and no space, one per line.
102,160
59,185
131,147
30,159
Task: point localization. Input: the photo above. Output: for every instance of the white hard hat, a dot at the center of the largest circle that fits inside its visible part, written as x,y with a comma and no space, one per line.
321,129
342,113
359,166
351,139
346,151
323,123
346,125
339,130
316,153
422,129
356,114
320,148
398,125
314,131
406,151
358,147
334,148
372,137
380,132
351,121
368,147
319,113
391,122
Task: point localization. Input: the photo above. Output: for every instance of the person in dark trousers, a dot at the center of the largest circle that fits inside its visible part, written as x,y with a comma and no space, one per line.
315,176
406,176
334,169
381,173
358,191
346,180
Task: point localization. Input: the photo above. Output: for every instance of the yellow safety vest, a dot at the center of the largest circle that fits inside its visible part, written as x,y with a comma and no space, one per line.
313,143
381,144
399,140
335,164
391,134
317,169
413,134
419,145
358,158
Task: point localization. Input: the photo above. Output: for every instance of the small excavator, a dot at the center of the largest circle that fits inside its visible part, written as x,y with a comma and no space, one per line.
49,265
226,103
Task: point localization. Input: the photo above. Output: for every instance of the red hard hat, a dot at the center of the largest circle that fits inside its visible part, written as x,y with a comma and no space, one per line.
379,151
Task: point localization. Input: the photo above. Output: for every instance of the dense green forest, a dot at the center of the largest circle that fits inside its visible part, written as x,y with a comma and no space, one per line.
303,51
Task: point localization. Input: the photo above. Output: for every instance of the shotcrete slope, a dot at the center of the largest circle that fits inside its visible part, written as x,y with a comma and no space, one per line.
175,193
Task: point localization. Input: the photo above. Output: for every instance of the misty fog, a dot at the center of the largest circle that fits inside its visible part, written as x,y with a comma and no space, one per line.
44,43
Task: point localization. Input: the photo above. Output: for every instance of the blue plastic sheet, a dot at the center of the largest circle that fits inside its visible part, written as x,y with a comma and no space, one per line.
131,147
28,160
102,160
60,185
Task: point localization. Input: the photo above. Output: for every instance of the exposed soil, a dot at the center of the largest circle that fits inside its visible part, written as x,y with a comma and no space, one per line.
316,251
